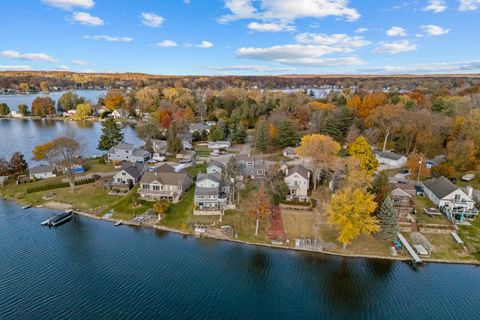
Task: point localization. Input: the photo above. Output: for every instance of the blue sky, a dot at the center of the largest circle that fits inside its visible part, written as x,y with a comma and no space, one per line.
251,37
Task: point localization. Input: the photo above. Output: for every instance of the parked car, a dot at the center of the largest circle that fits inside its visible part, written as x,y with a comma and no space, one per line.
404,171
419,191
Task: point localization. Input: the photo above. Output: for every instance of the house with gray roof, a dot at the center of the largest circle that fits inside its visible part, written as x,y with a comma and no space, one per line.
128,176
159,146
128,152
251,167
435,161
186,139
210,197
297,179
171,186
290,153
391,159
42,172
215,167
447,196
198,127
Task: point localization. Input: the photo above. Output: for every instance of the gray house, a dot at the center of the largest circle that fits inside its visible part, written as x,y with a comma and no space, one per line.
128,152
198,127
209,196
171,186
251,167
130,174
215,167
159,146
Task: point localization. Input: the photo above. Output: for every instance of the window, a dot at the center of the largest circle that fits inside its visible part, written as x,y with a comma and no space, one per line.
457,198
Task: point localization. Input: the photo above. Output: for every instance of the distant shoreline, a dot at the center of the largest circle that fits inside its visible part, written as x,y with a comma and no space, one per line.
330,253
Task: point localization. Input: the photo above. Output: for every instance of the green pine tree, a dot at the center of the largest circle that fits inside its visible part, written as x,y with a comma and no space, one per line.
148,144
380,186
111,135
388,219
261,138
287,134
174,144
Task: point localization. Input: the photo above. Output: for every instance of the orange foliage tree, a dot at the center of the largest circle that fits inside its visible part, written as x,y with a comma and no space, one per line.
260,208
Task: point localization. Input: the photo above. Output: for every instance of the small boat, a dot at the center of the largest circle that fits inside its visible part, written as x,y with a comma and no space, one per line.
28,206
58,219
118,223
108,215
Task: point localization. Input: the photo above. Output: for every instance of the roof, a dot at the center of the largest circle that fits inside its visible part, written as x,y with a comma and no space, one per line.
289,150
185,137
123,146
388,155
206,191
41,169
165,168
140,153
198,126
133,171
216,164
211,176
159,143
301,170
438,159
440,187
165,178
248,158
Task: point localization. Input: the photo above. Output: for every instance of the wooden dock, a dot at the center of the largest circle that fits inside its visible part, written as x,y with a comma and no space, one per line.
410,250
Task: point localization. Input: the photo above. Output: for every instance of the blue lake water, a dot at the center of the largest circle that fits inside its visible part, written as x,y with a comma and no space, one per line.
89,269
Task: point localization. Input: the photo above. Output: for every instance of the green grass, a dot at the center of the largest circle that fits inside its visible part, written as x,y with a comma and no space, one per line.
124,205
199,168
95,165
471,236
475,183
178,214
422,203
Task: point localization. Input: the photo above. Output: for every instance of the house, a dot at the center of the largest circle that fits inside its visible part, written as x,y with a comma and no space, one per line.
448,197
42,172
390,158
186,139
101,110
198,127
159,146
171,186
187,155
128,176
297,179
127,152
70,113
436,161
165,168
15,114
120,114
290,153
251,167
217,145
210,197
215,167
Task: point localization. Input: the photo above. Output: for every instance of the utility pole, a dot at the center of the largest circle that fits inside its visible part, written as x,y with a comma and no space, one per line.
419,169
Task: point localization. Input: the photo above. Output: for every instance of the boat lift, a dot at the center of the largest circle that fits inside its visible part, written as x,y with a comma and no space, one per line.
410,250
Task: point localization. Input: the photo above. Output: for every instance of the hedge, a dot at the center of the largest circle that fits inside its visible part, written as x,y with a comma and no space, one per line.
58,185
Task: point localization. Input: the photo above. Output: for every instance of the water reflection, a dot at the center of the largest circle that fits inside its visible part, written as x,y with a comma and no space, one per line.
258,264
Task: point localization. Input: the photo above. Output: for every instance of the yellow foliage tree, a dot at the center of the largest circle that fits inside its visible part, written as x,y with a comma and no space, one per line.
361,150
350,212
83,111
315,105
322,150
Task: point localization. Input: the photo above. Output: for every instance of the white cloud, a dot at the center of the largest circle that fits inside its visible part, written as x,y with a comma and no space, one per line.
204,45
62,67
441,67
288,10
152,20
361,30
340,40
86,18
109,38
11,54
469,5
270,27
166,44
79,62
255,68
299,54
436,6
70,4
434,30
396,32
15,68
395,47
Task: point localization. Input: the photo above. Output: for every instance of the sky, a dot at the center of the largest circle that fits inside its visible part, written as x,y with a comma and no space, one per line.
241,37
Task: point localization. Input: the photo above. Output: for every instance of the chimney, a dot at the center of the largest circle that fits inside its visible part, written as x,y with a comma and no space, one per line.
470,191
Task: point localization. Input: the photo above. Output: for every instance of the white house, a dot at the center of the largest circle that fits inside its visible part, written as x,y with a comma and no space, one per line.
448,197
215,167
119,114
390,158
217,145
130,174
15,114
186,139
209,197
128,152
297,179
290,153
42,172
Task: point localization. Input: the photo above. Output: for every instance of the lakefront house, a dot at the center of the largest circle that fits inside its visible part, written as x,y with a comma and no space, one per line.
210,198
128,176
297,179
171,186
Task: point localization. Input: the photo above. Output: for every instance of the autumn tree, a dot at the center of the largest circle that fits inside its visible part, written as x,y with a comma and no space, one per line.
444,169
44,86
84,110
4,109
260,209
111,135
17,165
380,187
354,175
388,220
161,207
114,99
43,106
4,168
386,119
350,213
462,154
174,144
322,150
147,98
361,150
69,101
23,109
63,152
417,165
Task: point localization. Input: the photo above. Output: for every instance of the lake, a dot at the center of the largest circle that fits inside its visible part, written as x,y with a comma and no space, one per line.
13,100
24,135
88,269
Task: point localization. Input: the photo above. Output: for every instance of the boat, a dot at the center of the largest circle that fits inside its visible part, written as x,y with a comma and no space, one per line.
58,219
28,206
118,223
108,215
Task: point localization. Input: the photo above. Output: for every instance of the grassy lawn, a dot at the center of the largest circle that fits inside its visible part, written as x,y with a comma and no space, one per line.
202,150
199,168
277,158
95,165
297,224
471,236
124,208
444,247
178,214
475,183
422,203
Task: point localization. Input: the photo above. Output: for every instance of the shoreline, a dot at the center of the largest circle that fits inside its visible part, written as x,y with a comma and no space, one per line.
266,245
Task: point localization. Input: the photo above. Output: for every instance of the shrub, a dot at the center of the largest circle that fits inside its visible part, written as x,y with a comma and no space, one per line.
58,185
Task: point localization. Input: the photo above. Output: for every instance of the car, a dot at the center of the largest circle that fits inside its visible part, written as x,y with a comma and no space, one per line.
404,171
419,191
185,161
